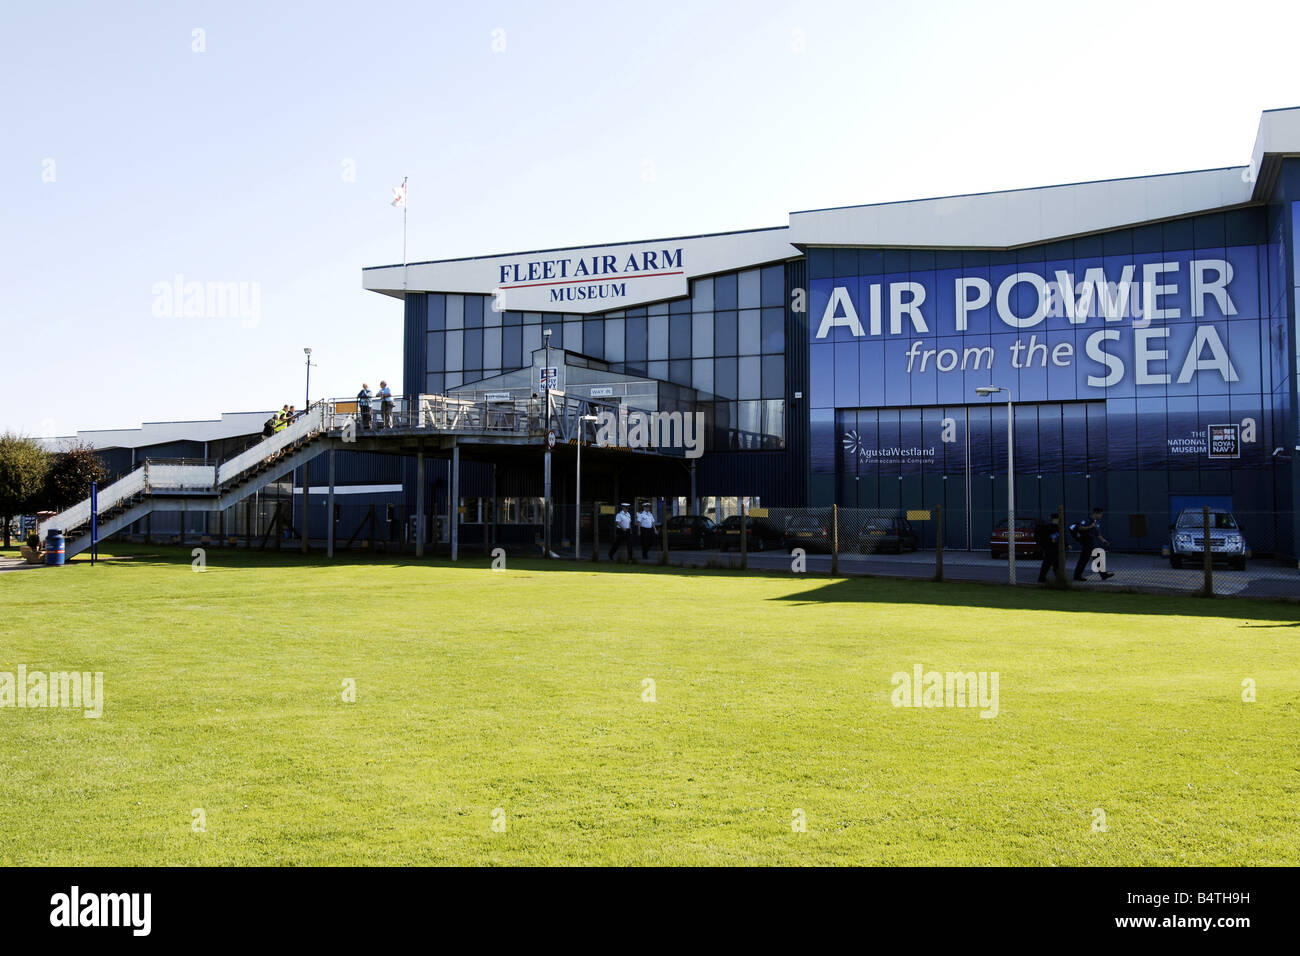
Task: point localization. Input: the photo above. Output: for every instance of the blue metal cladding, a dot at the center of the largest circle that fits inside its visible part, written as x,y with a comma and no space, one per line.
1165,336
415,344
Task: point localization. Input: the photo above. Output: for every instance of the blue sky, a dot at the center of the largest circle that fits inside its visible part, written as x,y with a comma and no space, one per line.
130,158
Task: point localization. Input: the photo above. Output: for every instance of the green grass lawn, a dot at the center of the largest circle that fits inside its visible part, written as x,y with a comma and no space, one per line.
522,690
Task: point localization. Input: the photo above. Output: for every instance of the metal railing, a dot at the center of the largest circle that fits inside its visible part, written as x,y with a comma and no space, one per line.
126,487
309,424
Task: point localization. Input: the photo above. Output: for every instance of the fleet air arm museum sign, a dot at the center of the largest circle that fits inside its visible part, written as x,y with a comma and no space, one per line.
594,280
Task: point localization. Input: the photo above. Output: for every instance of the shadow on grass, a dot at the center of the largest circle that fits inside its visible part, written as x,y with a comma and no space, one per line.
864,589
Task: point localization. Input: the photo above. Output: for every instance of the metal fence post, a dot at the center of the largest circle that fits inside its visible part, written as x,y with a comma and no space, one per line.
835,540
1207,554
744,538
938,543
1062,578
663,531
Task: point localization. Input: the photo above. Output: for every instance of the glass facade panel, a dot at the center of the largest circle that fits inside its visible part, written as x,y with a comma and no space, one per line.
455,351
658,337
749,332
455,312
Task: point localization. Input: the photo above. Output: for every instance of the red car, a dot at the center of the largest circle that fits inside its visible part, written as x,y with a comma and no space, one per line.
1026,546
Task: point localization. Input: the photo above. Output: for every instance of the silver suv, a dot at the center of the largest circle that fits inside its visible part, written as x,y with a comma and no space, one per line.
1187,538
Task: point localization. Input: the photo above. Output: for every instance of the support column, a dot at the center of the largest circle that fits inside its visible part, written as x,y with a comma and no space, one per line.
546,504
419,504
496,506
454,511
306,507
329,506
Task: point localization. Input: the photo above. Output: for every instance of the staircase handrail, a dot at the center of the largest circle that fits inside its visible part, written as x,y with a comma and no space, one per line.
111,495
311,423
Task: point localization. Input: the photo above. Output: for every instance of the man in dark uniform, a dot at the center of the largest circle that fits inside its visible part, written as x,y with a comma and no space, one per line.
646,521
1046,535
622,531
1088,532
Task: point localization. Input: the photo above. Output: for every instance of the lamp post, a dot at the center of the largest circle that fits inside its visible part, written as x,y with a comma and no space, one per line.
306,402
577,490
546,465
1011,477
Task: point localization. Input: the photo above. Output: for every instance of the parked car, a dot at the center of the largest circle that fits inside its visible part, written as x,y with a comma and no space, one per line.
1026,546
692,533
809,533
1187,539
886,533
760,534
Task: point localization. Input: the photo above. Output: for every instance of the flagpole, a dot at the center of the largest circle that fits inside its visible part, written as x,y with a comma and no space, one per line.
406,205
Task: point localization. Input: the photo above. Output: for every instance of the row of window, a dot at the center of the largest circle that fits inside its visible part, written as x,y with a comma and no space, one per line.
633,340
744,377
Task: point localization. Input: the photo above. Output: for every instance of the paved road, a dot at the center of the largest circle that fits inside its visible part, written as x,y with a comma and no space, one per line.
1260,579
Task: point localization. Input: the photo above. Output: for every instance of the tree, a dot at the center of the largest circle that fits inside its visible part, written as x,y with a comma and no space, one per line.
71,473
23,466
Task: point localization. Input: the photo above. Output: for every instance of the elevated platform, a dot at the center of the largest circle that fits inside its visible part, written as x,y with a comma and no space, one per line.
426,425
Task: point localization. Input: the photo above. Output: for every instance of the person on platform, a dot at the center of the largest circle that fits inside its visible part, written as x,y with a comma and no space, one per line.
363,405
386,404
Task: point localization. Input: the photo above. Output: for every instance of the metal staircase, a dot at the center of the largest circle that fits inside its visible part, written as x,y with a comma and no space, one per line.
158,486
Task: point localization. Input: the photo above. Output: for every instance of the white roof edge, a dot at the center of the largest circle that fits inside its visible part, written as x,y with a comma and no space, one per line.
990,220
1279,134
1034,215
703,255
230,425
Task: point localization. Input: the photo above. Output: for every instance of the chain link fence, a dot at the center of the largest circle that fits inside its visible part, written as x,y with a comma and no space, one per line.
1203,551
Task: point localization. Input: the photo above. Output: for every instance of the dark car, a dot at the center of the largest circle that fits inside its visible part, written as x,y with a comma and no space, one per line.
759,534
1026,544
887,533
692,533
808,533
1187,539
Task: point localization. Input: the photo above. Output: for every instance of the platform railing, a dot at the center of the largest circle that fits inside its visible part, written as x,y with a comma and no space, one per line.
310,423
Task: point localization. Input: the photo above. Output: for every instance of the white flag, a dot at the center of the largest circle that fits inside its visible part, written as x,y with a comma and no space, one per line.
399,195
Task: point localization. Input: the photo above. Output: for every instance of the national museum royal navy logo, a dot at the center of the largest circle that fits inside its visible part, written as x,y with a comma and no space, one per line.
594,282
1224,441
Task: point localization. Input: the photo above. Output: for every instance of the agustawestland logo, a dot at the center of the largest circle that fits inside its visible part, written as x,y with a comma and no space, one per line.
582,278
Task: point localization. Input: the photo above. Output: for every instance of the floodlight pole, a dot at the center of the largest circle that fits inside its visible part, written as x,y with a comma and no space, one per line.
306,402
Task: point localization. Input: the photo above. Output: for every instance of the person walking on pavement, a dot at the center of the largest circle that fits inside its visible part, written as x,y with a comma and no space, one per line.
646,521
363,405
1088,532
622,529
1046,536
